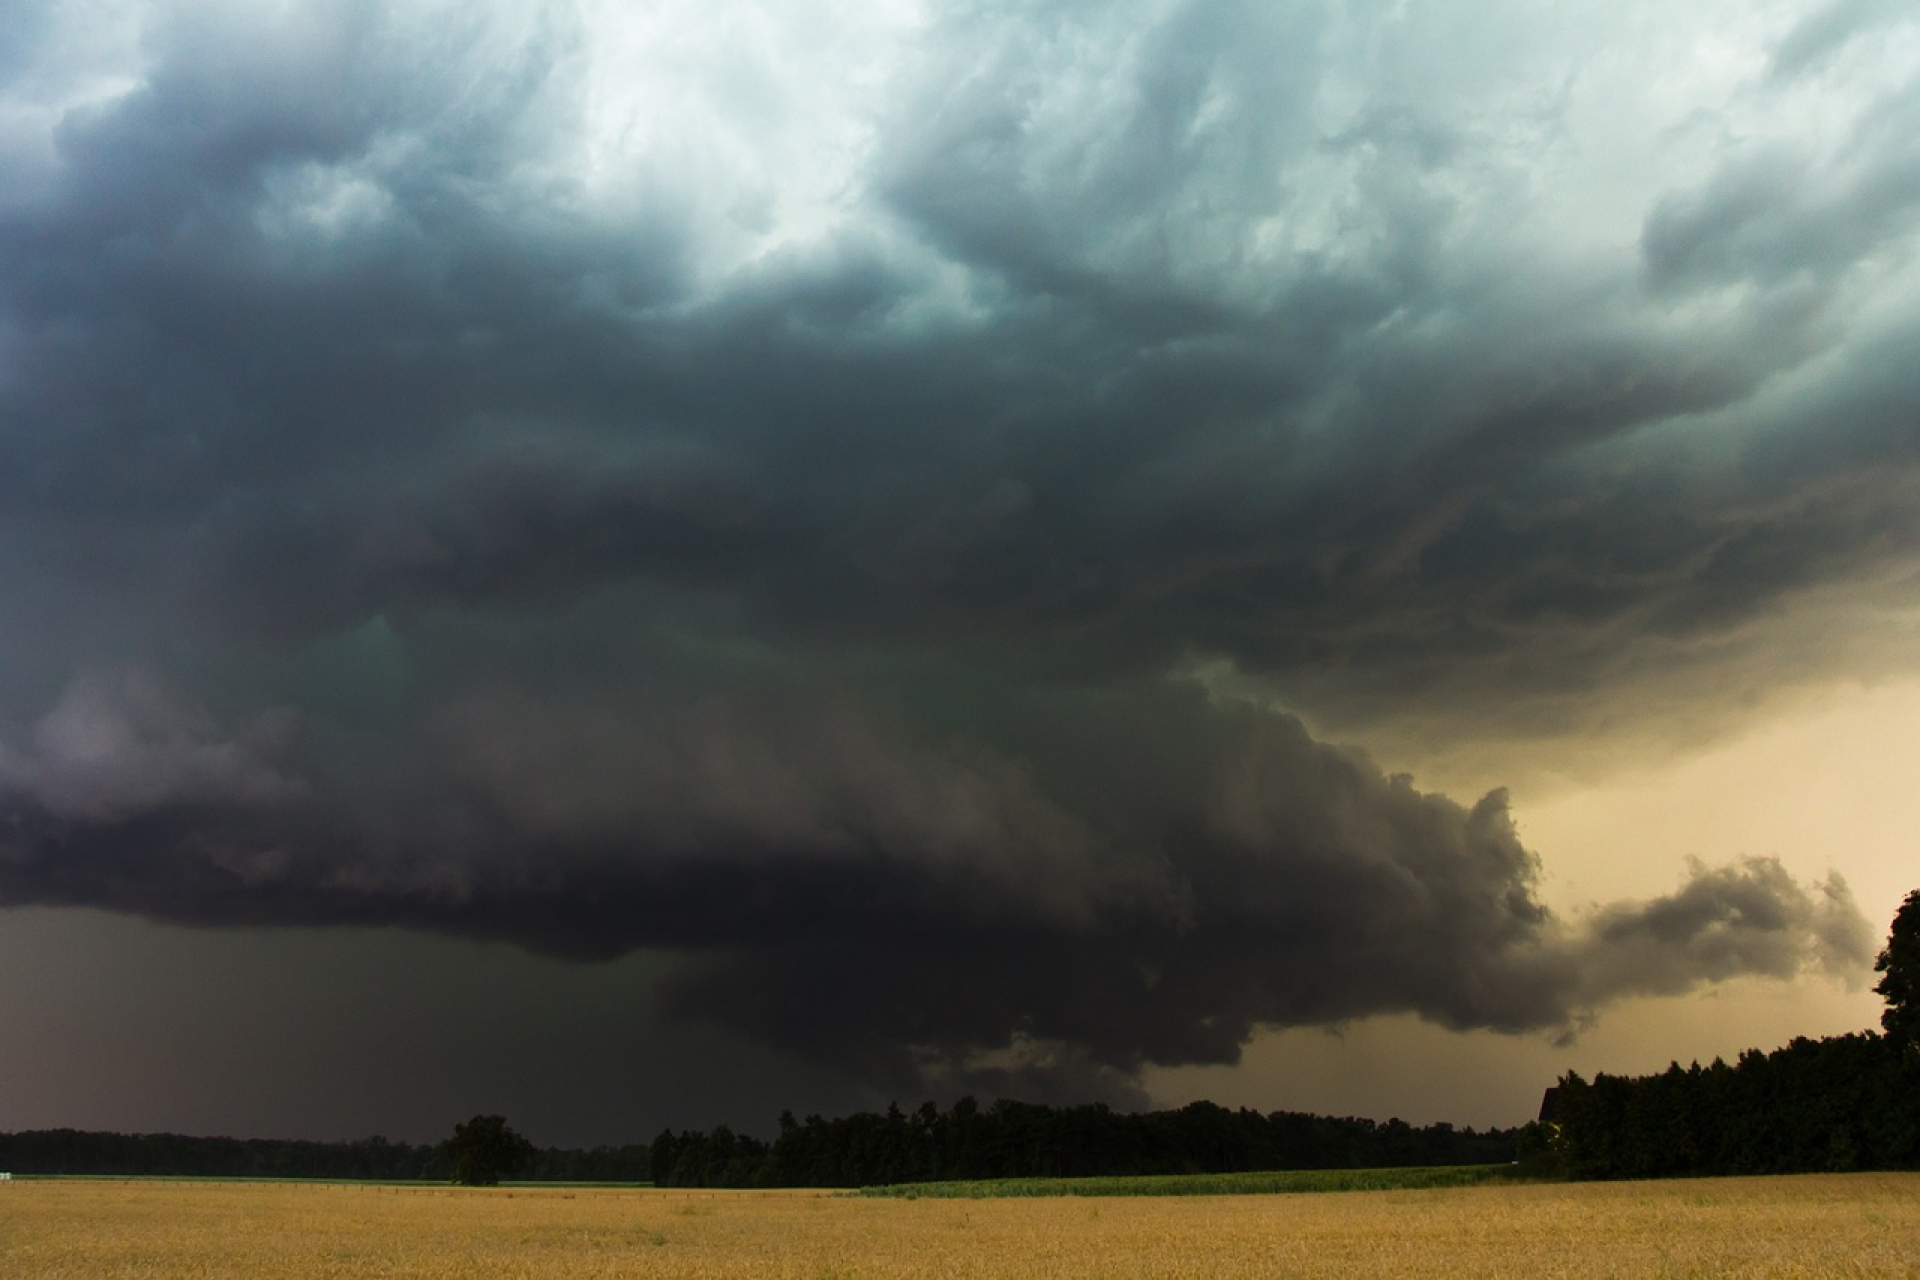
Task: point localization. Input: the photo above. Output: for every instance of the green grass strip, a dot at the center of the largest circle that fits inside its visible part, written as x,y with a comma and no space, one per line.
1284,1182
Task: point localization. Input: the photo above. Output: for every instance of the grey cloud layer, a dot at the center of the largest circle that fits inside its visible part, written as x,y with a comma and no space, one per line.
430,495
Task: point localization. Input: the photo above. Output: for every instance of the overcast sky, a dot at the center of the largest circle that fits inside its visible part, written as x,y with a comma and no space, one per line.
633,564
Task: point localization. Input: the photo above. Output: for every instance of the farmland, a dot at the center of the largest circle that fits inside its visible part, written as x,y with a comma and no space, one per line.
1861,1224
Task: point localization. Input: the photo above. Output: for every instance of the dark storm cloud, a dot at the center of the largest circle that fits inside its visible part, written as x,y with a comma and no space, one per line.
431,496
903,911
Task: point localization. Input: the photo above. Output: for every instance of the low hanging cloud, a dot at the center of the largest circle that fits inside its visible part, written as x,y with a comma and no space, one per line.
118,745
927,915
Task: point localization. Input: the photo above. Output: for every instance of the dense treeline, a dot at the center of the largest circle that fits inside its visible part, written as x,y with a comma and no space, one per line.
1024,1140
1839,1104
1006,1140
1843,1103
72,1151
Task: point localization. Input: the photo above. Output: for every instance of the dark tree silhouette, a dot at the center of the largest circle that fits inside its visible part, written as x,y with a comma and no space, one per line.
484,1150
1836,1104
1899,967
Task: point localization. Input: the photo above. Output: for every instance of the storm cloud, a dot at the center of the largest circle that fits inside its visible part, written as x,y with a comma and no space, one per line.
869,501
1159,876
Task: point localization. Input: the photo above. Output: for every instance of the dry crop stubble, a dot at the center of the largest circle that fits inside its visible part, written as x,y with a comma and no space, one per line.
1860,1224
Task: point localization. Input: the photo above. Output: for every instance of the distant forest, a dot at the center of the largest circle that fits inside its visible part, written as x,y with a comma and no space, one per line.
1026,1140
73,1151
1004,1140
1841,1104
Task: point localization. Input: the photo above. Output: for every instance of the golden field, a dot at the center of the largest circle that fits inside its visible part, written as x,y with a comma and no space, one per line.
1853,1224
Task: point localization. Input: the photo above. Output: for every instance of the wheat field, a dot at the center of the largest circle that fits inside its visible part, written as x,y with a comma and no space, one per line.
1860,1224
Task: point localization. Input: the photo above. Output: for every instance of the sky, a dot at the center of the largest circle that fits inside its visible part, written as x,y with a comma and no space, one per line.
649,564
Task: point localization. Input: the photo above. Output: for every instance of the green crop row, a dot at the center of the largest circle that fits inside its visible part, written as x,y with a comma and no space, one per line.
1201,1184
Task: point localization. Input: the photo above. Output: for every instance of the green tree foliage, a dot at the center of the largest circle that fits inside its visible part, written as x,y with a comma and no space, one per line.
1899,970
484,1150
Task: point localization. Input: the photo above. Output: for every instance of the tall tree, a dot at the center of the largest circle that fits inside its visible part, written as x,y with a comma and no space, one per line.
484,1150
1899,967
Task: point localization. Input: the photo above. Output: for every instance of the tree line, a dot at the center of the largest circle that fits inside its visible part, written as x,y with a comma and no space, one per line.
1026,1140
1838,1104
1007,1139
72,1151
